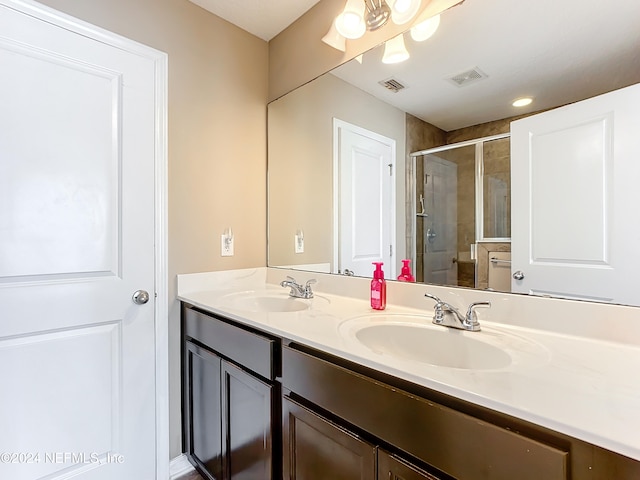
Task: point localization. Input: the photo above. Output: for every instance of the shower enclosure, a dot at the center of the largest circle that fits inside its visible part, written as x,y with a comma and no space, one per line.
459,195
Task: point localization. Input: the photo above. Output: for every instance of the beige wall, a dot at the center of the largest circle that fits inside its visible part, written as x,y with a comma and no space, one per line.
217,139
301,159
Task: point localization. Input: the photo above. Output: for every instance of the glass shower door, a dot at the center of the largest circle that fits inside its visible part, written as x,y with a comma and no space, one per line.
439,225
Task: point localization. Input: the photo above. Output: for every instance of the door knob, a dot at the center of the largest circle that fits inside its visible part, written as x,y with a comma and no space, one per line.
519,275
140,297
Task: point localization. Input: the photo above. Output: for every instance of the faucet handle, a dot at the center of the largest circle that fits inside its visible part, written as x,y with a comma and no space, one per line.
433,297
308,293
472,317
438,308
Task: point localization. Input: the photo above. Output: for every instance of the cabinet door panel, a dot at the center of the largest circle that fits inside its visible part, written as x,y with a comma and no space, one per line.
391,467
203,409
316,449
246,422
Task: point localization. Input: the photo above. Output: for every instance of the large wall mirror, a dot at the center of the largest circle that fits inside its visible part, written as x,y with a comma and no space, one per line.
438,125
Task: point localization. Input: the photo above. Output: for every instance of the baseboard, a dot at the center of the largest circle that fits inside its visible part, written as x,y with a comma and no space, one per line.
179,466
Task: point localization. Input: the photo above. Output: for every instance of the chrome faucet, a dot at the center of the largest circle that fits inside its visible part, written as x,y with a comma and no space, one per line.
297,290
449,316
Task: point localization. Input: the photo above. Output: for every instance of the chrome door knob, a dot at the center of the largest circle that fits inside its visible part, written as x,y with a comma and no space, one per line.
140,297
519,275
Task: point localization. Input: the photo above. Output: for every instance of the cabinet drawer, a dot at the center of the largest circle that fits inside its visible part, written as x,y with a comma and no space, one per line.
253,351
455,443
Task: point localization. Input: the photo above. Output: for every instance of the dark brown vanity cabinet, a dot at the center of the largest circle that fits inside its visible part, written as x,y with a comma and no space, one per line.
449,443
393,467
230,399
315,448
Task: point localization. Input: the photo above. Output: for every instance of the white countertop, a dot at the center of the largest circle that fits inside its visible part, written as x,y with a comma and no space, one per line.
583,382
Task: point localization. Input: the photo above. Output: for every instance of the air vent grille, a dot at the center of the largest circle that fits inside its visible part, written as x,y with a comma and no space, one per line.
466,78
392,84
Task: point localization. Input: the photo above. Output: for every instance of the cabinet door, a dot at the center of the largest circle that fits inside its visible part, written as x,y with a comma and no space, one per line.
317,449
391,467
202,405
246,423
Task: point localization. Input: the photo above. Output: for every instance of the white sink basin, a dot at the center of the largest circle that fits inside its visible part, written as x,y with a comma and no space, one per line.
266,302
414,338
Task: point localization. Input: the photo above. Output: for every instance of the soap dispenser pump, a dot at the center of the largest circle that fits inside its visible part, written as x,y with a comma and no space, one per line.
405,275
378,288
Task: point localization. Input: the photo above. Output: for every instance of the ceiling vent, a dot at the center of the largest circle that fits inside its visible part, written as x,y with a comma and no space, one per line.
467,78
392,84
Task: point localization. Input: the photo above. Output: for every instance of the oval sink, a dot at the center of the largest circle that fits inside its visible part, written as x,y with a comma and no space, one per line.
445,348
414,338
266,302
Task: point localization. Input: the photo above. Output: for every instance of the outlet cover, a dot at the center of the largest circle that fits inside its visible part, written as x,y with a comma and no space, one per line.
299,244
226,246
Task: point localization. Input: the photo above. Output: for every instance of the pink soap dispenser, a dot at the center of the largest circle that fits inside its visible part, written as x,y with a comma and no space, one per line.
405,275
378,288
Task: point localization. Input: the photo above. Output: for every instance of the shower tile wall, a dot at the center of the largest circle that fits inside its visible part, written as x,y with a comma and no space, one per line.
420,135
497,168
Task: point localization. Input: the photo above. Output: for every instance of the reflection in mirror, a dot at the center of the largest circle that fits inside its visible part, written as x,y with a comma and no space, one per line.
582,51
463,193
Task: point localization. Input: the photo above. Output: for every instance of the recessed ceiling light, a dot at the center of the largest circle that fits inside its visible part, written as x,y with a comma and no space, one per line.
522,102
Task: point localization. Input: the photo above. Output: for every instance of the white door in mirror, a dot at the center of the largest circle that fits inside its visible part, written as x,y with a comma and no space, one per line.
569,168
364,163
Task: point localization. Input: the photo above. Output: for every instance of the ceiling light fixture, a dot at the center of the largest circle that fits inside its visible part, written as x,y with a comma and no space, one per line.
426,29
350,22
334,39
522,102
403,10
395,50
358,16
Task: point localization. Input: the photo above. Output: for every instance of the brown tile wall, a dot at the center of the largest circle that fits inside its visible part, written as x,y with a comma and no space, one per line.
420,136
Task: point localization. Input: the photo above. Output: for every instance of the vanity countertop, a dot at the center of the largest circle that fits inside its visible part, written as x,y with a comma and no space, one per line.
584,384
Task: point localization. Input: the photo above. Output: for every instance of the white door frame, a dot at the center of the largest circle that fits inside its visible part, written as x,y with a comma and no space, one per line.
161,313
390,270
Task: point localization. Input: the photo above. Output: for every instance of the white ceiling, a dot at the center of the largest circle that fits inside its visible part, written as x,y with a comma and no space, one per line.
556,51
263,18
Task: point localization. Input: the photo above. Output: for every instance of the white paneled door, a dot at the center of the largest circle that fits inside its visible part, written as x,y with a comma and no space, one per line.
364,163
77,152
575,180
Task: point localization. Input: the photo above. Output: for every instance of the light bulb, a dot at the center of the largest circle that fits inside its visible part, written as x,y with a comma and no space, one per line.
425,29
334,39
395,51
350,23
522,102
404,10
